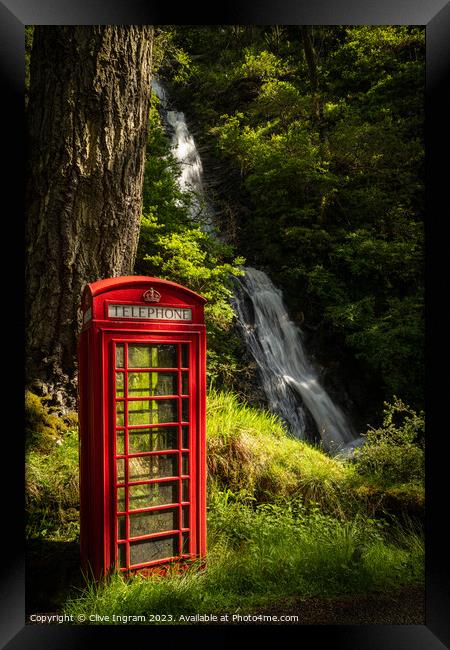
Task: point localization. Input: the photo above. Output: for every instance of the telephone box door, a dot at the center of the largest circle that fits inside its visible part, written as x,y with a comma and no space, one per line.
153,411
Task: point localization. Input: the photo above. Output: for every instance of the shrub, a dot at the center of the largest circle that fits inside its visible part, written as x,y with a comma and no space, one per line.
394,453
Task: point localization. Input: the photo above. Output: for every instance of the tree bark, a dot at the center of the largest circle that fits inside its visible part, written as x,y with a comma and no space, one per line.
87,130
311,62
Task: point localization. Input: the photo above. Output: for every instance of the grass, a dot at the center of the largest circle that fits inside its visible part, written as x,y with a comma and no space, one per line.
248,449
285,521
257,556
51,474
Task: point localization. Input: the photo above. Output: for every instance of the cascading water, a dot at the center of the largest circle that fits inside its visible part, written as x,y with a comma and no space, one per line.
288,378
185,152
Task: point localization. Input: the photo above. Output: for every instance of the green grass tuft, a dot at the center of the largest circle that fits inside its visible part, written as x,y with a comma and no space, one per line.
51,473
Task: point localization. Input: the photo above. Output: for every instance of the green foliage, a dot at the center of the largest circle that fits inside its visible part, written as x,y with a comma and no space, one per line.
330,188
394,453
259,555
249,454
282,522
262,64
174,247
51,473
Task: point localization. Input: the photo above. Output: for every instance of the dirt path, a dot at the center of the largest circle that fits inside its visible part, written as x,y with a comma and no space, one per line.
406,607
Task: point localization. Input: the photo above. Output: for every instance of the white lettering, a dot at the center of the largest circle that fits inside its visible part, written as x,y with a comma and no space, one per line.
150,313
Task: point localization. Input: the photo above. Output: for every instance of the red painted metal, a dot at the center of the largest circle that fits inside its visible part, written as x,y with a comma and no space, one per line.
102,547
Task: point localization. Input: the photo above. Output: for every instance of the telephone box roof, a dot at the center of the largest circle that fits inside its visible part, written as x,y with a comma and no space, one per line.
123,281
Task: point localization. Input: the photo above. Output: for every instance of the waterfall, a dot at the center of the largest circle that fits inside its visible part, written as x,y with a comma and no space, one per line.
289,381
185,152
288,378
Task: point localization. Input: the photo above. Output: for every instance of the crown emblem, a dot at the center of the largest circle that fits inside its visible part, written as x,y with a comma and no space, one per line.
151,295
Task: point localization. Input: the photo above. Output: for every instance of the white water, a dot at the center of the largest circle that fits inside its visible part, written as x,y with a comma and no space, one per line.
185,152
288,378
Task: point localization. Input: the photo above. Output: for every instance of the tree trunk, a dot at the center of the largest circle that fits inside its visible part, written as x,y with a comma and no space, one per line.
311,62
87,127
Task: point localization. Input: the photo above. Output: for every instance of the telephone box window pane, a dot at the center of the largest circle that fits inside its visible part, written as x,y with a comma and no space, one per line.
152,411
157,521
119,384
120,470
185,548
153,549
185,464
184,355
122,556
141,384
152,356
120,421
142,468
153,494
185,490
184,383
120,443
185,437
122,527
185,410
185,516
121,506
119,355
156,439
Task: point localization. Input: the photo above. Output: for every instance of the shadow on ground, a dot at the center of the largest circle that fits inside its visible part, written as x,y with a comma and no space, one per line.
53,573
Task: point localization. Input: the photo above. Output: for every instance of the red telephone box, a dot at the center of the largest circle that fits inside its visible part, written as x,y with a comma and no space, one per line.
142,360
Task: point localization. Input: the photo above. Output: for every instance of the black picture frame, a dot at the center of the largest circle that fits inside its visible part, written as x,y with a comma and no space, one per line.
435,15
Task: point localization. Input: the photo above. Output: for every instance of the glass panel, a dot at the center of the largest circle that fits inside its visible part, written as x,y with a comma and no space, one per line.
155,439
120,414
184,383
122,527
146,523
185,510
120,442
185,548
152,411
142,468
153,494
122,555
185,490
185,355
141,384
185,410
152,356
120,470
119,355
153,549
121,499
185,437
184,464
119,384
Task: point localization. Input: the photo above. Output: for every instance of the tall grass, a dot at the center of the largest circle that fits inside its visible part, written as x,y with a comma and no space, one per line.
248,449
285,521
259,555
